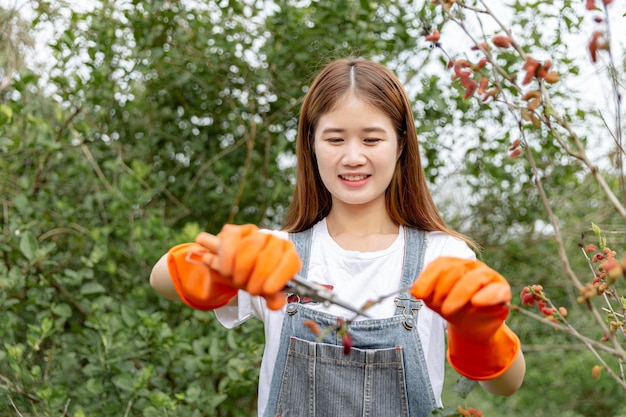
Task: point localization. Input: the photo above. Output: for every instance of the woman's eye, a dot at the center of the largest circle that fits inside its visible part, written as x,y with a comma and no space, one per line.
334,140
372,141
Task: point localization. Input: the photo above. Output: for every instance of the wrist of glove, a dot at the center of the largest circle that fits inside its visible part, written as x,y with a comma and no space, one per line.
197,285
475,300
239,257
482,360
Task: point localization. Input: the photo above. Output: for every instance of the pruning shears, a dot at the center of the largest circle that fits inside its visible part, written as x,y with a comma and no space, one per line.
319,293
302,287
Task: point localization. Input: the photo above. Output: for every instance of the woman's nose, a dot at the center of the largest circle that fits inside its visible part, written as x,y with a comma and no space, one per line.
354,154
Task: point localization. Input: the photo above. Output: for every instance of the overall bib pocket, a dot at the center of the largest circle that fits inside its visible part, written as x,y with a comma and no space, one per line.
319,380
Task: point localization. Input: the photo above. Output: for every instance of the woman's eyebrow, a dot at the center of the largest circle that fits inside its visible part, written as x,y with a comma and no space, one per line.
365,129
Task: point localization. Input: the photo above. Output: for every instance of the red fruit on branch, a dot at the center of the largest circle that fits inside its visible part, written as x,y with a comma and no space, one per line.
595,372
532,104
551,77
502,41
540,72
481,64
515,144
482,86
613,270
596,43
593,46
459,65
535,120
490,93
590,5
433,36
527,296
530,66
475,412
481,47
531,94
313,326
547,65
347,343
446,4
470,89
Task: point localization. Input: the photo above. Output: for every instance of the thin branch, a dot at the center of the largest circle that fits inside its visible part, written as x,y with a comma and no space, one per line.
60,288
14,406
250,141
41,167
10,386
581,156
553,220
164,190
200,171
592,345
95,166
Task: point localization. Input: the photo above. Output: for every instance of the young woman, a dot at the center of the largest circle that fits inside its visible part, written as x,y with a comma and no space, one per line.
362,223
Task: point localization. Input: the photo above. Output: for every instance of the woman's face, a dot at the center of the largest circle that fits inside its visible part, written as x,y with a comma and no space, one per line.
356,147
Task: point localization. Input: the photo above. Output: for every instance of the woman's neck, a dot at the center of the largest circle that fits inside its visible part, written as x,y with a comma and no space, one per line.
361,229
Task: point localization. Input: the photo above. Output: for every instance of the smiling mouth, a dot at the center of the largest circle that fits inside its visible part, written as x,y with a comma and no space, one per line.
353,177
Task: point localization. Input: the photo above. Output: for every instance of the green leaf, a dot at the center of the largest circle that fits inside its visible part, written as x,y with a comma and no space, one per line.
365,4
596,229
448,411
216,400
29,245
124,382
46,325
94,386
128,316
151,411
62,310
92,288
463,386
6,113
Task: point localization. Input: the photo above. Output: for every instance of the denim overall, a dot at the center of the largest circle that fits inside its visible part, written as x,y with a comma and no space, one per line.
385,373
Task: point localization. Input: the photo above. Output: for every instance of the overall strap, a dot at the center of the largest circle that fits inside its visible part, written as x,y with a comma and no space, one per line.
415,243
302,241
414,249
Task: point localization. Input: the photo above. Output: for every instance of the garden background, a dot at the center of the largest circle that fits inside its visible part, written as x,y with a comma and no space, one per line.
128,126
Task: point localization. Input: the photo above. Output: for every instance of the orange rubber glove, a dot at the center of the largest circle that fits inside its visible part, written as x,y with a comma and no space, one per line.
475,300
259,263
196,284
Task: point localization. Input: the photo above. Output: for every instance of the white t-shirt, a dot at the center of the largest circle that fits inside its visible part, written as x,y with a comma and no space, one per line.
356,277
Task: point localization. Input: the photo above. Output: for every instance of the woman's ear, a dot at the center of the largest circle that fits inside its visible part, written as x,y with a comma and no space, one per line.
401,145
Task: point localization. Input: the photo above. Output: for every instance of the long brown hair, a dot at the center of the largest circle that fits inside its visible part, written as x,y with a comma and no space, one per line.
408,199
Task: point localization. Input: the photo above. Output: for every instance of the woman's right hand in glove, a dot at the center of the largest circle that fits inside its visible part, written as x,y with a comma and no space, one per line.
248,259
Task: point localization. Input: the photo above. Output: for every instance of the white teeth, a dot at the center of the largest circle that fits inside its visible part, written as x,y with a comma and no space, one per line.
354,177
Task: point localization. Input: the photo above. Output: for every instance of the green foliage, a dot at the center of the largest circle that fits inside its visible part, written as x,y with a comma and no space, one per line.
158,119
554,371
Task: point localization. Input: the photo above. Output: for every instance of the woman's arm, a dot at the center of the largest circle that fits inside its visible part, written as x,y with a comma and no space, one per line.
161,280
